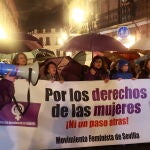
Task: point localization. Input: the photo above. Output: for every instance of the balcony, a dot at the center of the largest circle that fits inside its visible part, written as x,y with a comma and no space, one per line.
139,10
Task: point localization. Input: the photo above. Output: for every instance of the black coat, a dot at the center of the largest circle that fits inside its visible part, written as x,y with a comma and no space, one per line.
6,92
144,74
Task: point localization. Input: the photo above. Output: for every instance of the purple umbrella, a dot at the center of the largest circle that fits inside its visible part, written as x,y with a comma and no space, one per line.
67,67
93,42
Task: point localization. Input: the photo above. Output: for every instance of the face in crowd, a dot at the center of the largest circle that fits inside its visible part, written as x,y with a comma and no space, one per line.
52,69
123,65
125,68
21,60
97,64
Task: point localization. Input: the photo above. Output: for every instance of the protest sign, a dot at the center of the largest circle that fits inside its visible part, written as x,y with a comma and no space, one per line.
77,114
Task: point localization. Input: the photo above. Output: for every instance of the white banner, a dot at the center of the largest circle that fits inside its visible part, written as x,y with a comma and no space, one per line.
77,114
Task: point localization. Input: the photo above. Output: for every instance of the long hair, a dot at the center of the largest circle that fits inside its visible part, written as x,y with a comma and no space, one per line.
46,73
144,73
96,58
145,64
102,72
14,61
47,66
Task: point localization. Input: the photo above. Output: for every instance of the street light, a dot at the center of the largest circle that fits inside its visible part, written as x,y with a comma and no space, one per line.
76,18
3,34
127,42
77,15
63,37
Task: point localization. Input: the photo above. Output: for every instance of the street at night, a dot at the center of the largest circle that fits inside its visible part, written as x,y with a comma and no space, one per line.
74,74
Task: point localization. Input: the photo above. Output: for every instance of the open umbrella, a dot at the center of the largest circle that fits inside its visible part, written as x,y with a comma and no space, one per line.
61,62
21,43
113,56
142,46
142,59
42,54
67,67
80,57
93,42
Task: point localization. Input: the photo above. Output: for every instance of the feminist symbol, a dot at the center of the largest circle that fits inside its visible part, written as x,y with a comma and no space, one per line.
15,111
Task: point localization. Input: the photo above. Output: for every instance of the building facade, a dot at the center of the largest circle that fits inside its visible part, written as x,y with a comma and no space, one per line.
51,39
107,16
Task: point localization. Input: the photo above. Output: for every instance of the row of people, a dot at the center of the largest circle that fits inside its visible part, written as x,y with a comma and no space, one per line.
121,70
96,71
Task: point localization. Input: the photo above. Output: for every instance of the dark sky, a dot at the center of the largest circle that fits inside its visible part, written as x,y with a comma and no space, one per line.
40,13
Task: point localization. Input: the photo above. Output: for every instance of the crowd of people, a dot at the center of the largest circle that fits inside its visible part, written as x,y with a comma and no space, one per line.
98,70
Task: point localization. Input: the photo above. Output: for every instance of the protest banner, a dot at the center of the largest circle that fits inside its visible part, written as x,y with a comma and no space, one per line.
77,114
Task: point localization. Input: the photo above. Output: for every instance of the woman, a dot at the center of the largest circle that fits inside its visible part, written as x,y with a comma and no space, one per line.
123,70
51,72
145,72
97,70
20,59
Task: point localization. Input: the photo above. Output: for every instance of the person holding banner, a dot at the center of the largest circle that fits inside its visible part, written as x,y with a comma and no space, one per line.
123,71
97,70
